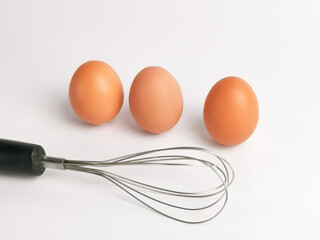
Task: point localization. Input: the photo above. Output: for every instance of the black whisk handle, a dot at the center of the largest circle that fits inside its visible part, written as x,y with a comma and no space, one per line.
21,158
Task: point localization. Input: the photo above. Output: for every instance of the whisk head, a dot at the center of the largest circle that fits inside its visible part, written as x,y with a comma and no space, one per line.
198,180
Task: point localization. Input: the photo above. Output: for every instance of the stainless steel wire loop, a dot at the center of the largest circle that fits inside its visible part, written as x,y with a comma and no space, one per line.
149,194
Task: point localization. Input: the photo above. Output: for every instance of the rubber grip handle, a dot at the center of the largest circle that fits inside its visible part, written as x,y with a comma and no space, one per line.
21,158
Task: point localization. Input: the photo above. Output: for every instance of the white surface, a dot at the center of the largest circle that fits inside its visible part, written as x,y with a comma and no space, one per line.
274,45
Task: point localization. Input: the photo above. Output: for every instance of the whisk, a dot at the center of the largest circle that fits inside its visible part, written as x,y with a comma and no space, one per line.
187,206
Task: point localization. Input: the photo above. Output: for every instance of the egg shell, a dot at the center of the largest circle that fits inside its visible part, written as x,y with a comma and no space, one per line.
95,92
155,100
231,111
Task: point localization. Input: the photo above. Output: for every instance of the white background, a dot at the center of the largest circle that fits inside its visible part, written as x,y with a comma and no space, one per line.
273,45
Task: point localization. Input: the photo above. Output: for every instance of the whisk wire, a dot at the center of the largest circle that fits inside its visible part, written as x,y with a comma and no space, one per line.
139,190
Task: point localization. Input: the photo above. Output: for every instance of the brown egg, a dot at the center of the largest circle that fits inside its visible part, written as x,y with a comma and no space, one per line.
95,92
231,111
155,100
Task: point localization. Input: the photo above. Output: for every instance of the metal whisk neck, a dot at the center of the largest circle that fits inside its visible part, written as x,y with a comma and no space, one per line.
53,162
